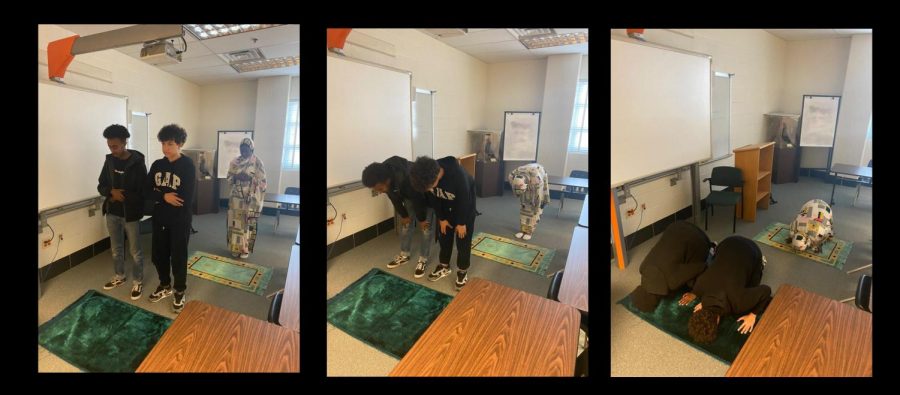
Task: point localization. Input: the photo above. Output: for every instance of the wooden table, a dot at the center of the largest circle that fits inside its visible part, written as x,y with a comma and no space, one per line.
583,219
804,334
857,171
289,316
574,288
492,330
566,182
206,338
281,199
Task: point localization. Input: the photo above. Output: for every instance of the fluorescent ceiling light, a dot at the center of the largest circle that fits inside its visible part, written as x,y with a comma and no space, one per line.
265,64
203,32
543,38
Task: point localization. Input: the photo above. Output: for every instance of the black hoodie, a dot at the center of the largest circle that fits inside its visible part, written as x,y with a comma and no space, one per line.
676,260
453,199
164,177
401,189
129,176
731,283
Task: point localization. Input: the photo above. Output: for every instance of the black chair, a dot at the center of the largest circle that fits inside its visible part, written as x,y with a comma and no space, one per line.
729,177
581,364
864,293
553,294
275,307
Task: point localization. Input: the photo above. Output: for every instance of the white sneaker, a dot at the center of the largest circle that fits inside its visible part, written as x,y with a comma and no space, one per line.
234,254
519,235
526,237
245,255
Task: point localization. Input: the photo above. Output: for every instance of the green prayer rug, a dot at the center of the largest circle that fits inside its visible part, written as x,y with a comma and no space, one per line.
514,253
834,252
241,275
98,333
673,319
386,311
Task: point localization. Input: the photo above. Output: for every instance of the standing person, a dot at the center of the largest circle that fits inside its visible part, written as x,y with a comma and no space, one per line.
392,177
530,185
452,194
122,183
170,183
247,177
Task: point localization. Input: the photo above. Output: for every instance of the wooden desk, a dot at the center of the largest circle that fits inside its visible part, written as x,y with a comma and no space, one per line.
206,338
492,330
583,219
566,182
289,316
574,288
857,171
281,199
804,334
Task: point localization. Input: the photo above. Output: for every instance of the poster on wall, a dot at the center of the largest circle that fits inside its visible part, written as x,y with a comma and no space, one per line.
818,121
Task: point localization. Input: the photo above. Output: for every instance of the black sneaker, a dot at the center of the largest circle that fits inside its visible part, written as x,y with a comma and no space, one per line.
136,291
420,267
398,260
115,282
178,303
439,272
160,293
461,278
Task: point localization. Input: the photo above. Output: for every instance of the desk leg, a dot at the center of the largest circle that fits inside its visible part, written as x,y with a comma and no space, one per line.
277,218
562,202
832,193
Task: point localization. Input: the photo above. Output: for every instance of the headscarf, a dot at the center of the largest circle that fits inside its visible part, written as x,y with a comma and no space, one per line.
252,190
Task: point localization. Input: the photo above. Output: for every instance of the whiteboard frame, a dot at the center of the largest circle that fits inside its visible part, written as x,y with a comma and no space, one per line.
89,90
219,150
537,138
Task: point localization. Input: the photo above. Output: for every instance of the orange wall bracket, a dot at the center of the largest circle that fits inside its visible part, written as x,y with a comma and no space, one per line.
59,56
336,39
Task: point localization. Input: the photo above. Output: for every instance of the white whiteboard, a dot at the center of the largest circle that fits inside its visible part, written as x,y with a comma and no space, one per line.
819,120
520,135
368,118
229,147
71,147
660,110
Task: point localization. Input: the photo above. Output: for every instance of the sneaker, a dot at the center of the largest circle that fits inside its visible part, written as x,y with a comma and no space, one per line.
439,272
420,267
234,254
178,303
160,293
245,255
115,282
136,291
398,260
461,277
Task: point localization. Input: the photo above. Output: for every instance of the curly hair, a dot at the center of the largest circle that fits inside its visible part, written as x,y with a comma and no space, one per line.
703,326
375,173
423,173
116,131
172,132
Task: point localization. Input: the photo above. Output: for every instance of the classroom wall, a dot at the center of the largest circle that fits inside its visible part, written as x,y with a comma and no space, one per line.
272,95
856,103
575,160
556,116
168,98
757,59
461,82
227,106
814,67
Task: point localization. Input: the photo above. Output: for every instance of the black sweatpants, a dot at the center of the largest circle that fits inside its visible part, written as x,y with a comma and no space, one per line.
170,242
463,245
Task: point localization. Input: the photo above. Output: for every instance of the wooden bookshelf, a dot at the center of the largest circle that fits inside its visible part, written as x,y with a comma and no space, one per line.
755,162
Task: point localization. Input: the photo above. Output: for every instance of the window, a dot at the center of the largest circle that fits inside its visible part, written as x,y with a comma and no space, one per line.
291,157
578,133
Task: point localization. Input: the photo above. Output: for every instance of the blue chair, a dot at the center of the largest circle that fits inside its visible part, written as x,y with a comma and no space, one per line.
729,177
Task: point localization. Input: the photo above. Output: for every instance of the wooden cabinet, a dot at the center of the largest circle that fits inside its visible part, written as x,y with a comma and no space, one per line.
755,162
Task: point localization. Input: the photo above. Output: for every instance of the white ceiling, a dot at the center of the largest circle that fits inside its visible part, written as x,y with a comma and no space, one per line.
499,45
815,34
200,63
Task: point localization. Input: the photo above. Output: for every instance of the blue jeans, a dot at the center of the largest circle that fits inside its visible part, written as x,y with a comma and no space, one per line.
406,235
118,228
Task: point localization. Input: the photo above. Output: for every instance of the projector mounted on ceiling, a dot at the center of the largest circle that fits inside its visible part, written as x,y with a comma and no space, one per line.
160,53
